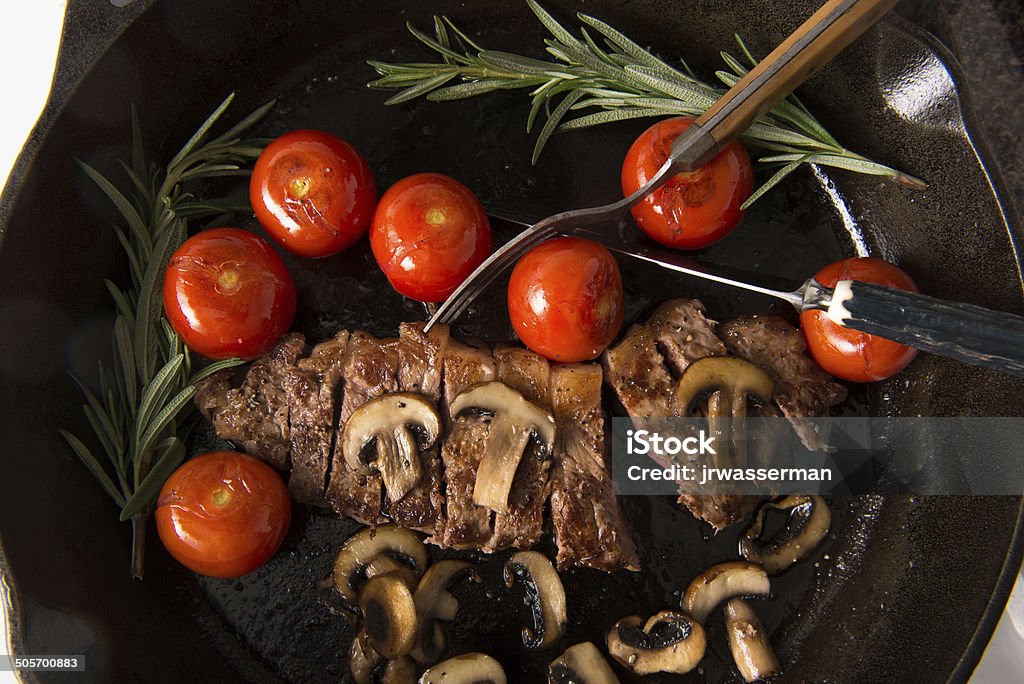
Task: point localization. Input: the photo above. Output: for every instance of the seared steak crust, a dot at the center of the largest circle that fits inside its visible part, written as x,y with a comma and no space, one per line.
256,415
312,388
683,334
589,527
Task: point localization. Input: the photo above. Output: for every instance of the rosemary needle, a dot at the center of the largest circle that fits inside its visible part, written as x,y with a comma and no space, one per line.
604,70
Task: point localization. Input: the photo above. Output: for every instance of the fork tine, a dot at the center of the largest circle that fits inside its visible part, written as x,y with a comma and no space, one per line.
487,272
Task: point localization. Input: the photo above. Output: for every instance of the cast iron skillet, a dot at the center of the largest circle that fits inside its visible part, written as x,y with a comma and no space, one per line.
905,590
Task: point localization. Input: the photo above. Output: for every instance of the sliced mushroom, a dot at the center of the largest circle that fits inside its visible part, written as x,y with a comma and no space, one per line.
808,523
544,594
513,421
386,421
670,641
362,659
721,582
469,668
398,671
748,642
366,546
389,615
434,602
581,664
386,565
730,381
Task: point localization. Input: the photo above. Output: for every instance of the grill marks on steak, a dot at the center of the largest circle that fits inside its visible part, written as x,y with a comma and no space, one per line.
256,414
464,525
313,389
420,370
522,524
802,388
589,527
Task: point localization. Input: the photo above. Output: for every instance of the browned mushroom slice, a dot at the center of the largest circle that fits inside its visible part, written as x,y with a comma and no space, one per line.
389,615
469,668
514,420
433,603
362,659
730,381
670,641
545,596
581,664
398,671
721,582
387,565
748,642
366,547
808,523
388,422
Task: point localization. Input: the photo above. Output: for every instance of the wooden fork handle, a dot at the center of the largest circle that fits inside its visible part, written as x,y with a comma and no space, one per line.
818,40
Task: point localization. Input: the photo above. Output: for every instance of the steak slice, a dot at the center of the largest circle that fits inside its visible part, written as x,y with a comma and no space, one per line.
683,334
522,524
256,414
636,371
420,370
312,388
370,371
464,525
802,388
589,527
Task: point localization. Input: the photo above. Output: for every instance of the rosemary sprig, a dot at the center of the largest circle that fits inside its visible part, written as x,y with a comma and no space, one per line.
622,81
139,413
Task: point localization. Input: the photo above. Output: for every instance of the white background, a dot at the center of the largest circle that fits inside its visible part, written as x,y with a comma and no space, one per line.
29,35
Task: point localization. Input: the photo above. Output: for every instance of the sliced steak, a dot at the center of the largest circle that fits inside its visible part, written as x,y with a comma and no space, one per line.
683,334
370,371
589,527
256,415
720,510
802,388
420,370
464,524
522,524
312,388
637,373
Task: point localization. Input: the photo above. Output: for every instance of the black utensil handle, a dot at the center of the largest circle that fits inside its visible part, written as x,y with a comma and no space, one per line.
968,333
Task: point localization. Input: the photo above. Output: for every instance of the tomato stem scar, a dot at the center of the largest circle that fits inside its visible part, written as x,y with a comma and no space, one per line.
435,217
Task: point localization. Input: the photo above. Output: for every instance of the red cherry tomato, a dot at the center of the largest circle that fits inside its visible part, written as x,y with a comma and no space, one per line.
227,293
850,354
223,514
313,193
691,210
428,234
565,299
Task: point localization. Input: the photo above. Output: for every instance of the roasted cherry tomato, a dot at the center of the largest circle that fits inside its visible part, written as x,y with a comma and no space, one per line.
429,232
227,293
850,354
691,210
223,514
565,299
313,193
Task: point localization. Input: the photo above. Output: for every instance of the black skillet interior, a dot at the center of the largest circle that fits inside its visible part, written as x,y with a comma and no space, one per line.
904,590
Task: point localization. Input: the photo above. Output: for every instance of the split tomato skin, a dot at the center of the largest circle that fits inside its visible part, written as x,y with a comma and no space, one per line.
565,299
227,293
429,233
850,354
223,514
692,210
314,193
